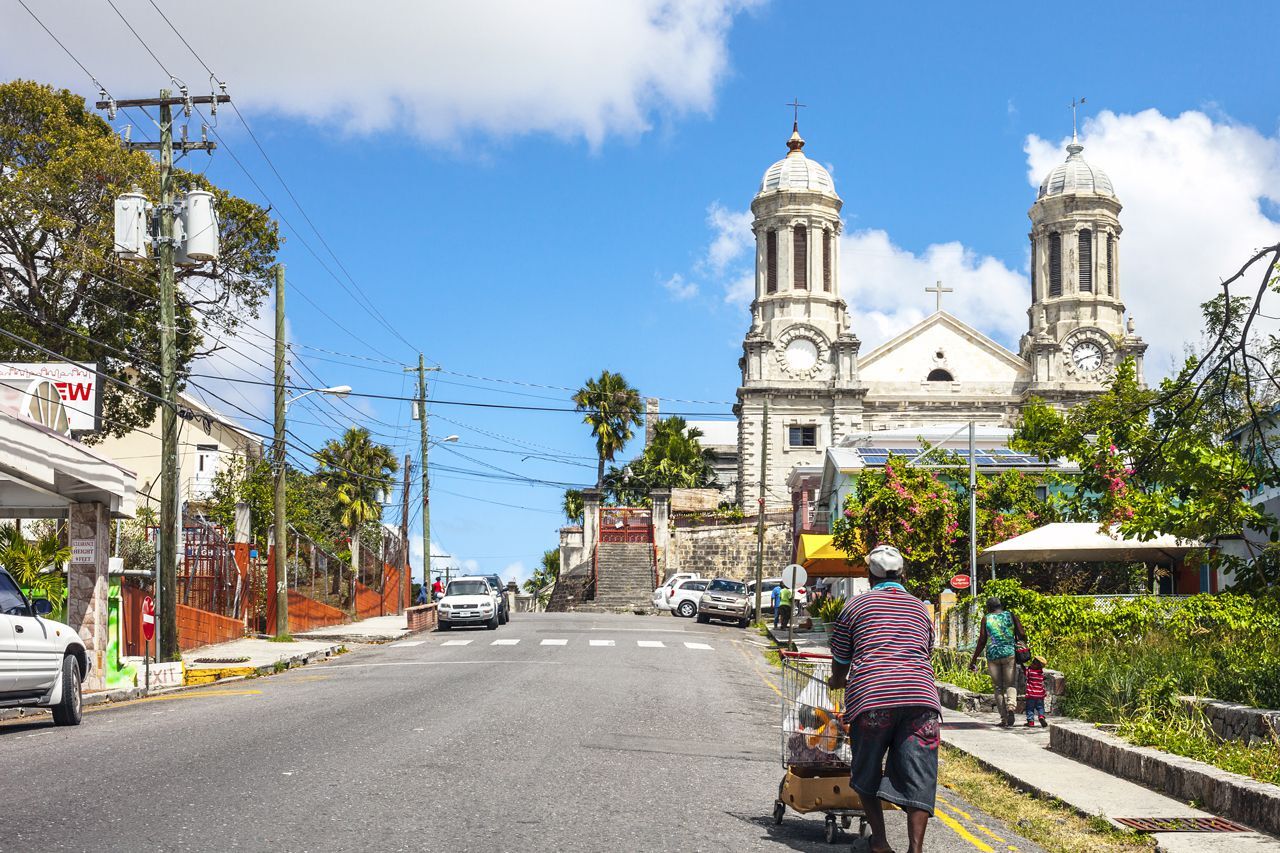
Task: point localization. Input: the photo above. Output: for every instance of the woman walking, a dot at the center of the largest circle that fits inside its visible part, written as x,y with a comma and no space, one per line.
1000,635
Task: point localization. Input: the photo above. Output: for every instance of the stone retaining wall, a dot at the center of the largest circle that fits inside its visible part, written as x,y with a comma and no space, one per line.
1236,722
959,699
1230,795
729,550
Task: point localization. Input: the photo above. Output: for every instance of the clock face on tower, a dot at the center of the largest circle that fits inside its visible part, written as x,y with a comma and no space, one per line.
801,355
1087,356
1089,353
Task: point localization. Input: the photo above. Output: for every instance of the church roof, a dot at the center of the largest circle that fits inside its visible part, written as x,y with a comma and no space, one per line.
1074,175
957,326
797,172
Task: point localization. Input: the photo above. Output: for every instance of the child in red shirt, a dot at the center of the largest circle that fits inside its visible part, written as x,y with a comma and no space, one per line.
1035,692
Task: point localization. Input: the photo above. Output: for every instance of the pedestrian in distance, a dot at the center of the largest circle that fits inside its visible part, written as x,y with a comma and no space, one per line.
1035,692
437,590
422,595
880,653
999,638
775,598
784,606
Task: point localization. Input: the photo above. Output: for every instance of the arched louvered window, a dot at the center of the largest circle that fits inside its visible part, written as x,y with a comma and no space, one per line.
1085,242
1055,264
940,375
1035,294
1111,265
771,262
800,257
826,260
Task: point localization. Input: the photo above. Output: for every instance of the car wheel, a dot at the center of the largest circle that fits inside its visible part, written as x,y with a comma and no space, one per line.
744,622
443,626
69,712
687,609
703,618
492,624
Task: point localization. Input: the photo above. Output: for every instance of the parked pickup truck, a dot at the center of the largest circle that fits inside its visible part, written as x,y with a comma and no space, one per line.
42,662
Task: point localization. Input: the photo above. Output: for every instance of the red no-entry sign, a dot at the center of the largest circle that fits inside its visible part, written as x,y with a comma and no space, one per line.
960,582
148,617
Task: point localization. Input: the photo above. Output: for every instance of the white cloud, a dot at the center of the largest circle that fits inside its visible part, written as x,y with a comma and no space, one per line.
515,572
679,288
741,289
570,68
733,237
1193,189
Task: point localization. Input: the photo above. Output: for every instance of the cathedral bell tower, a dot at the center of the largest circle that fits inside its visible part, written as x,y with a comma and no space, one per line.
1077,332
799,355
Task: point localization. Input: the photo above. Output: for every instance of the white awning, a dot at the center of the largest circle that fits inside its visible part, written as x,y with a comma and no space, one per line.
43,472
1087,543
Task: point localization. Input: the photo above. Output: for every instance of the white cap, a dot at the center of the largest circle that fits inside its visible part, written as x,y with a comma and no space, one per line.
884,562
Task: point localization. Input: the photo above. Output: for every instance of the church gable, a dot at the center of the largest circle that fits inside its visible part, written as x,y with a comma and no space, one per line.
944,350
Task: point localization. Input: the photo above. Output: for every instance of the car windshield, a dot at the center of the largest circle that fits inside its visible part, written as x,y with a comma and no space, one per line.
468,588
727,586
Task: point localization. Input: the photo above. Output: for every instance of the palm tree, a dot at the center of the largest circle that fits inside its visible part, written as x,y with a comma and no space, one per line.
571,506
612,408
358,470
36,566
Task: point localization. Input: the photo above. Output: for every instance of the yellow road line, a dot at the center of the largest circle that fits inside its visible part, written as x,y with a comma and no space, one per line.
195,695
959,830
759,672
956,810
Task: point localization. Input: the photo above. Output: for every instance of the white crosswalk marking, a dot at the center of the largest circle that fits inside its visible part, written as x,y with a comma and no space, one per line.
602,642
702,646
554,642
505,642
456,643
404,644
650,644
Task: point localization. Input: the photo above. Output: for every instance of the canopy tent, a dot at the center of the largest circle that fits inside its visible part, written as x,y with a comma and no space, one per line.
822,559
1087,543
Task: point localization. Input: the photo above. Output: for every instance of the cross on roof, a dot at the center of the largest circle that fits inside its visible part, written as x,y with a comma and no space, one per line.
938,290
795,108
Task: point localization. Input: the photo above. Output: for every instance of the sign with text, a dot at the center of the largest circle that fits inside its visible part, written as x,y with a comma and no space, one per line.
959,582
78,388
84,550
695,500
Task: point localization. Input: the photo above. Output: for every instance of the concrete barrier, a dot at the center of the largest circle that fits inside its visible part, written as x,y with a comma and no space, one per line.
423,617
1239,798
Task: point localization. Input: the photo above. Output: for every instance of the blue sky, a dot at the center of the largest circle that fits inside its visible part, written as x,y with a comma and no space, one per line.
518,211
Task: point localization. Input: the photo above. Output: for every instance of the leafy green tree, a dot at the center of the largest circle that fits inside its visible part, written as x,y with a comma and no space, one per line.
548,572
674,459
61,283
572,506
612,407
357,470
36,565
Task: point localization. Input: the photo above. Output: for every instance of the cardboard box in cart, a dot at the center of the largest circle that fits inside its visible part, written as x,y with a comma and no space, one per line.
810,793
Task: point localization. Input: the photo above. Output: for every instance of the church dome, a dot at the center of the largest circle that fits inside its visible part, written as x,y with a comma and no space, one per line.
1076,176
797,172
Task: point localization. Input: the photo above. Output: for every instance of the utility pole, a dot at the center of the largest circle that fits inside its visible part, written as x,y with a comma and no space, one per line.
426,479
406,570
973,513
170,521
280,460
764,467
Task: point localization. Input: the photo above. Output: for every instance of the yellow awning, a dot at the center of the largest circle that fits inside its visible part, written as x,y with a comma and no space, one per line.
822,559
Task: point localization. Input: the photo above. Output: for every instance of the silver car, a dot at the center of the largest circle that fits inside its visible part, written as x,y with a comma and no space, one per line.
725,599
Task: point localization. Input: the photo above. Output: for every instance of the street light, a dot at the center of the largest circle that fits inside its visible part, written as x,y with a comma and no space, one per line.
281,523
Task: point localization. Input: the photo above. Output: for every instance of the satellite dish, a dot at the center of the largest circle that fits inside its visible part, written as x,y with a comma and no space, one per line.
44,406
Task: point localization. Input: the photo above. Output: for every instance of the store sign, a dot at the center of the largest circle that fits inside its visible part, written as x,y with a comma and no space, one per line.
84,550
79,388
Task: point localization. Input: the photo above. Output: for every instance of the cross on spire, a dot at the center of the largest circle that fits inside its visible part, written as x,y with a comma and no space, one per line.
796,106
938,290
1075,104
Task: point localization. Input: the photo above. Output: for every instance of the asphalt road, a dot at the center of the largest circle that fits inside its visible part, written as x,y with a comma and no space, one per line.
556,732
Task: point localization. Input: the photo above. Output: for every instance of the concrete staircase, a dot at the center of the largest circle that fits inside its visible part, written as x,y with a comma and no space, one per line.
624,577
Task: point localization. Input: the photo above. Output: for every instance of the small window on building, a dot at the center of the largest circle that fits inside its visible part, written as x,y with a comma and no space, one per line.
800,256
940,375
771,262
802,436
826,261
1055,264
1111,265
1042,493
1086,261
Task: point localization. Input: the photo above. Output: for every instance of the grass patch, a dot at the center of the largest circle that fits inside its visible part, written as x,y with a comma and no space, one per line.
283,638
1047,822
773,658
953,668
1190,736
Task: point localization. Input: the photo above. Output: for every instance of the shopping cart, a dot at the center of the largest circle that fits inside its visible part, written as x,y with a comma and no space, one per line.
815,747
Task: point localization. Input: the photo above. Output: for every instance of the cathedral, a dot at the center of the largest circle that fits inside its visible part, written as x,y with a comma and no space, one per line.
807,385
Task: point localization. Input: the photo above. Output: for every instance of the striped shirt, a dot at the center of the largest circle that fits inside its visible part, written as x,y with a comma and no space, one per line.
886,636
1035,683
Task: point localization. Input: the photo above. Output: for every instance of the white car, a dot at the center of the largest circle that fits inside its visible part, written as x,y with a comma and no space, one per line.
662,595
468,601
42,662
684,598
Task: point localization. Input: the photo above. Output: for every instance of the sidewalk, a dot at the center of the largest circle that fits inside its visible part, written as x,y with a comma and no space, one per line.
379,629
1022,755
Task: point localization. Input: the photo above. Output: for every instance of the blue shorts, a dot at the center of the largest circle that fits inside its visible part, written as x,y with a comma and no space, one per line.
895,755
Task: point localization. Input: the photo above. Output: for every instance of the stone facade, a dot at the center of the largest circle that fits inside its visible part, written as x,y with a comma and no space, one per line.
87,586
730,550
1230,721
